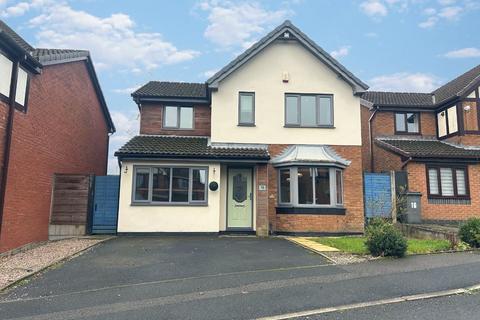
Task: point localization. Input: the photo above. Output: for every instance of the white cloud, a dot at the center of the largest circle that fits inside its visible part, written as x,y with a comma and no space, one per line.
127,90
464,53
238,23
405,82
430,11
446,2
20,8
340,52
113,40
207,74
374,8
450,13
429,23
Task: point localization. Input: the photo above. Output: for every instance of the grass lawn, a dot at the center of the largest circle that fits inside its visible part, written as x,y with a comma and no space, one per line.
356,245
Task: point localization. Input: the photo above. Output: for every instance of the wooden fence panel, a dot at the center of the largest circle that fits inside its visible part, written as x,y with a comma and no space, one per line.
71,199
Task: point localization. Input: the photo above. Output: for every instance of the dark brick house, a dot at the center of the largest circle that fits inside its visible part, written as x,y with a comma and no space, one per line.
53,119
435,138
269,144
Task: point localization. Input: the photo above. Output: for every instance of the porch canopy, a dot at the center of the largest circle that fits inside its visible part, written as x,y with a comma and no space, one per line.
320,155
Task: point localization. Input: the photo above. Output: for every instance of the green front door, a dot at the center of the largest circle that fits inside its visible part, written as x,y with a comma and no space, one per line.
240,199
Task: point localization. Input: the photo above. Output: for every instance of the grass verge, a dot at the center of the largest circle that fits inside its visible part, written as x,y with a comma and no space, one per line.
356,245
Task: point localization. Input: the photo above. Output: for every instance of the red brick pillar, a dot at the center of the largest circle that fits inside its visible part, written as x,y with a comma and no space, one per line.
261,176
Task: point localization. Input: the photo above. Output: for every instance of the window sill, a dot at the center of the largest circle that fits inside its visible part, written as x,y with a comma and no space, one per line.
337,211
4,99
246,125
178,129
309,127
449,200
150,204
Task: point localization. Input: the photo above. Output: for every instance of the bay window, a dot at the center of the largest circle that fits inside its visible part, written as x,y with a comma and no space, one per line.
170,185
21,91
447,182
310,186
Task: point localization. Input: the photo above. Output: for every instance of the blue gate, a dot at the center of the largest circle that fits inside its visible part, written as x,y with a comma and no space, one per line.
105,204
378,195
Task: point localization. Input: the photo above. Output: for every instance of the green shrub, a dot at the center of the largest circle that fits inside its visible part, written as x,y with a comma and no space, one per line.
470,232
383,239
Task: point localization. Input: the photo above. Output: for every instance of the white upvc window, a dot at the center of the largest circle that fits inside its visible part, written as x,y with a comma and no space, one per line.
21,91
6,68
175,117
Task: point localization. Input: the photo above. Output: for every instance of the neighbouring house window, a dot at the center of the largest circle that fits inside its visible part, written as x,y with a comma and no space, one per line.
170,185
407,122
451,182
309,186
6,68
178,117
447,122
309,110
21,91
246,108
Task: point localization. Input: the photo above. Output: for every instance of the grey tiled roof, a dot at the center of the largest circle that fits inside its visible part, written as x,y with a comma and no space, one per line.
457,86
172,89
399,98
426,148
57,55
186,147
15,37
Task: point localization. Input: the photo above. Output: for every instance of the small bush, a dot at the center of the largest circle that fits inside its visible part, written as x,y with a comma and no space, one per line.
470,232
383,239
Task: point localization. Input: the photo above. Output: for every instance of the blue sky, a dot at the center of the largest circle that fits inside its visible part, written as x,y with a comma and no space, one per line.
400,45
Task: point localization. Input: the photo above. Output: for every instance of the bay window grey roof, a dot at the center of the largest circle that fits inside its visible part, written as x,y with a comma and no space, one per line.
164,89
309,154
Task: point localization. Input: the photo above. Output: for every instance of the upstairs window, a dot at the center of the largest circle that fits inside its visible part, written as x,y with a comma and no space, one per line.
447,121
406,122
246,109
21,91
308,110
6,68
447,182
178,117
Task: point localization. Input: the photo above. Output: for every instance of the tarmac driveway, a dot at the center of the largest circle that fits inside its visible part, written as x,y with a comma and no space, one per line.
137,260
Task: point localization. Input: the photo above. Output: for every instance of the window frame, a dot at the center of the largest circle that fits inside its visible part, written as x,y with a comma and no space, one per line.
3,97
150,202
246,124
294,187
404,113
454,169
317,110
177,126
19,106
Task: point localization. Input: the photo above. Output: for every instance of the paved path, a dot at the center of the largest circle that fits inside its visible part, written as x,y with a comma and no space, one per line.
221,278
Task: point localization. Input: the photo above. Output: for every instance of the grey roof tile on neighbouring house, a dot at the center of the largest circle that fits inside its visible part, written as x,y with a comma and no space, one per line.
427,148
173,90
4,28
399,98
49,56
144,146
304,39
458,86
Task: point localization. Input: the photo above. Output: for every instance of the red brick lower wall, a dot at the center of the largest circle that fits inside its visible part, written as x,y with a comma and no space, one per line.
62,132
351,222
417,181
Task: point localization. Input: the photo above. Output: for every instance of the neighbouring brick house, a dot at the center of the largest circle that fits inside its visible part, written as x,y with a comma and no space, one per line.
53,119
271,143
435,138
